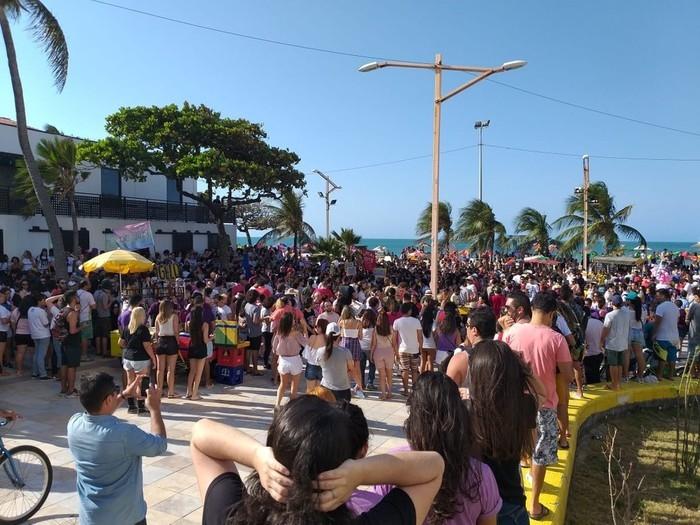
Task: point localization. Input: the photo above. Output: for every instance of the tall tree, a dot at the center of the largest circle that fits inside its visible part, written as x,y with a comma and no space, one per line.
606,224
348,238
478,227
58,166
230,156
288,218
532,229
48,33
425,223
252,217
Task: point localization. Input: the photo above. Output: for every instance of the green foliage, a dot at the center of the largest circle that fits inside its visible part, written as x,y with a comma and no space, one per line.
606,224
533,230
425,221
347,237
328,248
288,218
57,161
478,227
47,32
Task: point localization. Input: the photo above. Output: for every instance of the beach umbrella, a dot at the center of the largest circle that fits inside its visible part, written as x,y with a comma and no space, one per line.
696,245
118,261
641,248
534,259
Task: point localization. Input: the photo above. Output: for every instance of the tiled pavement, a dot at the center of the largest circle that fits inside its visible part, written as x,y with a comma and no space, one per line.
169,481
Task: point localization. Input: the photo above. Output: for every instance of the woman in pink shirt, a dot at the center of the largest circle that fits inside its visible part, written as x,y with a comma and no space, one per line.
286,345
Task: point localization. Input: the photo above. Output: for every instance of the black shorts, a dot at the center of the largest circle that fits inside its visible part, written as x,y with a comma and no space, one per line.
341,395
254,343
24,339
71,356
3,337
103,326
167,345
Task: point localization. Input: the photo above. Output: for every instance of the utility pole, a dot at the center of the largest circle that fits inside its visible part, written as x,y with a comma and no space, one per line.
586,184
480,125
330,187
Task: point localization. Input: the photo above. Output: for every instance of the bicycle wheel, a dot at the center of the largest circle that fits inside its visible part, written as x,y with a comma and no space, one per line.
34,468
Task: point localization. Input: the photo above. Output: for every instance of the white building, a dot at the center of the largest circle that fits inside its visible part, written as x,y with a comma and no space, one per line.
105,201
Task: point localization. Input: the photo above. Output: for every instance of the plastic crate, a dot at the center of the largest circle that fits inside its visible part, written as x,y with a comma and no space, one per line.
228,375
226,333
229,356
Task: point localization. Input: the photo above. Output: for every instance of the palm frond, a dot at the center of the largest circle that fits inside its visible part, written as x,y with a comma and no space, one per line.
47,32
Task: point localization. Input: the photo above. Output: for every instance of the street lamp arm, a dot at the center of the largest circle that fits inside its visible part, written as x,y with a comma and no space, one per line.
467,85
421,65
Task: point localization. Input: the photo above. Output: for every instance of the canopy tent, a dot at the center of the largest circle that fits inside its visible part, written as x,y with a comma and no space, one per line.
121,262
641,248
539,259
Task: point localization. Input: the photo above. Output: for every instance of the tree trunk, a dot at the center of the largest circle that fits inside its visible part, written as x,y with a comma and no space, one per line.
248,237
224,244
42,193
74,221
296,243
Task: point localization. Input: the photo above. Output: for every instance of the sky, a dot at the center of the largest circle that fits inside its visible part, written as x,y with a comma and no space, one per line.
636,59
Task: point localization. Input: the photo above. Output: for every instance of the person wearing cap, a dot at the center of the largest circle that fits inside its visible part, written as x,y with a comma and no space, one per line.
615,339
103,324
336,365
665,332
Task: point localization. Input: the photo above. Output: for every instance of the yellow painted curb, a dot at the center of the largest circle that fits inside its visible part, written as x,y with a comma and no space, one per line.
597,399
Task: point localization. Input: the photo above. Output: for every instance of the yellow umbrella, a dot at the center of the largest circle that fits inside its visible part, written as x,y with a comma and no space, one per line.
118,261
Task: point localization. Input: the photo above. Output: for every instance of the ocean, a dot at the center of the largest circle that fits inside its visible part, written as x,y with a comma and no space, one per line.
396,245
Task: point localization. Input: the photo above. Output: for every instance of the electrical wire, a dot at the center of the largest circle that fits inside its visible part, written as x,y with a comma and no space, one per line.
373,57
398,161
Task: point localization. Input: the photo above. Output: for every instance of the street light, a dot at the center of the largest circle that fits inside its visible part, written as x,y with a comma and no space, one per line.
480,125
330,187
584,191
438,67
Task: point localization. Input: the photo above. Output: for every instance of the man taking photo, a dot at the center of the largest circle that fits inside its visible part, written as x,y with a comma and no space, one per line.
108,452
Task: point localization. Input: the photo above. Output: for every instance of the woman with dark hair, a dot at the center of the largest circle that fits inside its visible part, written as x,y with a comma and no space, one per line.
316,346
503,407
199,336
336,364
306,472
286,345
438,420
637,320
20,327
447,334
428,350
384,353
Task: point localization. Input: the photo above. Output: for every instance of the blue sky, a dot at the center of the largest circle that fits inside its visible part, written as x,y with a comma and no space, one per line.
637,59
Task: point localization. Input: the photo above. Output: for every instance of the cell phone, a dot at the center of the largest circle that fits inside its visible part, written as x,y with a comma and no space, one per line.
145,385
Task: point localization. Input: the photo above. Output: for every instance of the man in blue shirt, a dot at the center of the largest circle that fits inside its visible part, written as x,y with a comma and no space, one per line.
108,452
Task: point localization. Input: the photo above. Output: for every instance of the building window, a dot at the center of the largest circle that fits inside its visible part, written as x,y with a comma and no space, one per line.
173,194
111,182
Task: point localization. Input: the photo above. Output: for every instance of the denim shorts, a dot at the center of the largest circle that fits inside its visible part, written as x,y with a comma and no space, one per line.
672,356
313,372
637,336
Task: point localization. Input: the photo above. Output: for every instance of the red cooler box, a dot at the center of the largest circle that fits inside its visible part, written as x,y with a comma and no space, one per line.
229,356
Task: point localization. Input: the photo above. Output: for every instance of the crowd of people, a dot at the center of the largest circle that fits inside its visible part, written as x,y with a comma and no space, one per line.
486,363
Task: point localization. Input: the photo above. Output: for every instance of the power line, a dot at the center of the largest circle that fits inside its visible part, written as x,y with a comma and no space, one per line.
236,34
398,161
373,57
521,150
607,157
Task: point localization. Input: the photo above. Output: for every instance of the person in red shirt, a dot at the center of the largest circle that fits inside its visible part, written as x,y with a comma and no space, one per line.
498,301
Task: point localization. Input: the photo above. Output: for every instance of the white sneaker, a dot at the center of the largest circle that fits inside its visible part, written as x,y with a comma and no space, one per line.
360,394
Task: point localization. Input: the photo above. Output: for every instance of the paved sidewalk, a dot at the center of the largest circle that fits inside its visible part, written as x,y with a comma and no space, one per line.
169,482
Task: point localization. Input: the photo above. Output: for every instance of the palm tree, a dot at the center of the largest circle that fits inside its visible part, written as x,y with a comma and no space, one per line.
48,33
348,238
328,248
605,222
425,223
288,218
478,227
532,229
57,164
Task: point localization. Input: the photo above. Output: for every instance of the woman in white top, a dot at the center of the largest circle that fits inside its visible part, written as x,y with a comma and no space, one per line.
369,321
39,329
351,333
312,351
429,348
27,261
167,329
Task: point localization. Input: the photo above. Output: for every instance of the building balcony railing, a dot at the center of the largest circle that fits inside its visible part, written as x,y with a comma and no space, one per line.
112,207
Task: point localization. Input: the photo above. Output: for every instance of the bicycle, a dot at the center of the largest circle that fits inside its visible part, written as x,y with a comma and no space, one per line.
26,476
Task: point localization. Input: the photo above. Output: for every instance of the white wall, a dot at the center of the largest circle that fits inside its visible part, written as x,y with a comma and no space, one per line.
153,188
